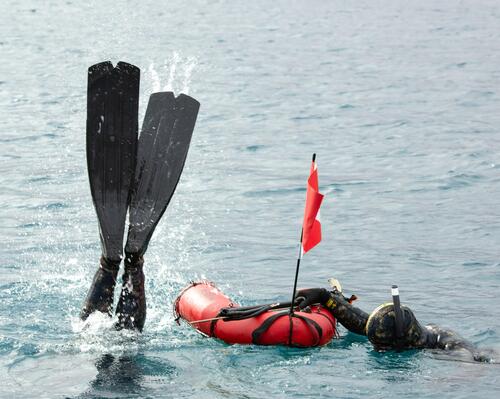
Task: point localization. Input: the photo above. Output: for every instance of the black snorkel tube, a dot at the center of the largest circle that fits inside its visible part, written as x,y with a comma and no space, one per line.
398,316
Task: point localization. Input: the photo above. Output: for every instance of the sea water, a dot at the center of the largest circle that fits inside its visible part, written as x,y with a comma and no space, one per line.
401,102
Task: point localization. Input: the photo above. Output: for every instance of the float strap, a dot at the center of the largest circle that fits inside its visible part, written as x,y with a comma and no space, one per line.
311,324
247,312
243,312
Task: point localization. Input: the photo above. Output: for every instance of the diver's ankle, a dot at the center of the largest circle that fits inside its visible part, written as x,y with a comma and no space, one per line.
133,263
109,265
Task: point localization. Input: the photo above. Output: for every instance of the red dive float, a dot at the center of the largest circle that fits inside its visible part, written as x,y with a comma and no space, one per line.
213,314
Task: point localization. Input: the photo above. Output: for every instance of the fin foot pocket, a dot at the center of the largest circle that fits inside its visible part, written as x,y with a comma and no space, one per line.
101,292
131,308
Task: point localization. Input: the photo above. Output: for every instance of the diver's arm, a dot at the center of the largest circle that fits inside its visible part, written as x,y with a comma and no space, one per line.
351,317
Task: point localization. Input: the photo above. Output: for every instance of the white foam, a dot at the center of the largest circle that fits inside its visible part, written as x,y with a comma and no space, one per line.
176,70
155,78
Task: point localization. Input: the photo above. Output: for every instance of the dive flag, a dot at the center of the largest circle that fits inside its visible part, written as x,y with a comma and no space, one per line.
311,227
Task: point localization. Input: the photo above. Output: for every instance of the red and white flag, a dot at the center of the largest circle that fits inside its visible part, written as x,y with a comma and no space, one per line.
311,227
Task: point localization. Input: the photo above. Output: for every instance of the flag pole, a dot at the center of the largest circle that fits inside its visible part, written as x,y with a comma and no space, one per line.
298,261
296,273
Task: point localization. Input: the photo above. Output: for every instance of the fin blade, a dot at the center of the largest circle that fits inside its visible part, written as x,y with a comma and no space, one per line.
163,146
112,126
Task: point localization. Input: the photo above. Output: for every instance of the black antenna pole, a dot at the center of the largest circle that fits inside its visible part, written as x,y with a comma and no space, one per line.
296,273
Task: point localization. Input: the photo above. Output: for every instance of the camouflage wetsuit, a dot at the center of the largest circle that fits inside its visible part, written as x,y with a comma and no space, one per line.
379,326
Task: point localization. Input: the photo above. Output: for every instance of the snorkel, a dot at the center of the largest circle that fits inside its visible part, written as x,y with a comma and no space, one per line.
398,317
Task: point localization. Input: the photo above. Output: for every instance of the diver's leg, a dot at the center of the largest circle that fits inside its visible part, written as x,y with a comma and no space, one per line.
112,106
163,145
131,308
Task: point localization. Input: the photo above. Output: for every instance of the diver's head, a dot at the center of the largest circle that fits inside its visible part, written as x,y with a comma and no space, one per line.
381,329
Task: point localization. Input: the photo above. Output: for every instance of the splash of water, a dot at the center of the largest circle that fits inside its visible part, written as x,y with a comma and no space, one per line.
155,78
178,71
172,66
188,73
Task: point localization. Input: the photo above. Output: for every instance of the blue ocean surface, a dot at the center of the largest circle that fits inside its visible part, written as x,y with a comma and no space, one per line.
401,102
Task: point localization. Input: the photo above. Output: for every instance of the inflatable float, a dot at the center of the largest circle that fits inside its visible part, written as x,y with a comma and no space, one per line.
213,314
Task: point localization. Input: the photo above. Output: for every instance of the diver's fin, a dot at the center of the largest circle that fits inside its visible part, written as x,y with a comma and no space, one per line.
112,115
112,108
163,146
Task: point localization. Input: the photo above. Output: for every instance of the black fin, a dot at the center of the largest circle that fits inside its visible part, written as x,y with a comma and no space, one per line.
112,114
163,146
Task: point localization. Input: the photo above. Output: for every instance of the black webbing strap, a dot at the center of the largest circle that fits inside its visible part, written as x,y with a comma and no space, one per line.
246,312
334,325
311,324
212,327
257,333
240,314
